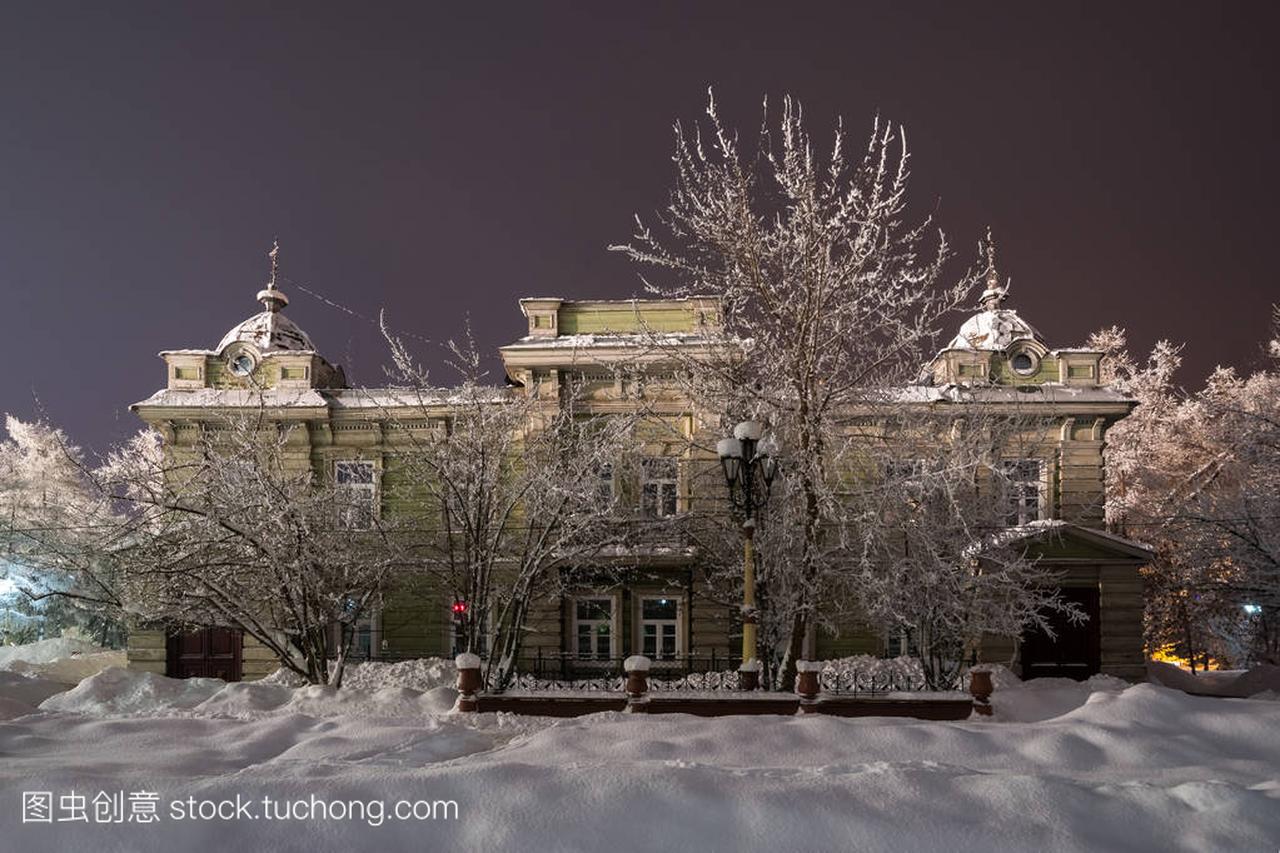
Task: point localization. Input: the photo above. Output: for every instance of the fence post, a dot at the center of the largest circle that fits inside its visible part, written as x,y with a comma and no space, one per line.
981,688
468,681
807,684
637,687
749,674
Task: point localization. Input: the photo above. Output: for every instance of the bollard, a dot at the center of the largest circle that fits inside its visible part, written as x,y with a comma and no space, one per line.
469,682
807,684
749,675
980,687
637,686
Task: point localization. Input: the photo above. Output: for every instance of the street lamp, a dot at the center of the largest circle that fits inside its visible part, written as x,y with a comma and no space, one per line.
749,460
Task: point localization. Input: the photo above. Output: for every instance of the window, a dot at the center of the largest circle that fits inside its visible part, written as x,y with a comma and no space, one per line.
604,486
356,493
660,627
242,364
658,487
366,633
901,643
593,628
1024,363
909,473
1023,490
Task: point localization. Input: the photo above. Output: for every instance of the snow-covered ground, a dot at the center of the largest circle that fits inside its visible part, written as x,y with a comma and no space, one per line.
63,659
1063,766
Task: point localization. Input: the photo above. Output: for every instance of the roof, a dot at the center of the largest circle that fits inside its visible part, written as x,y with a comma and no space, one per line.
605,341
993,330
1103,539
1046,392
268,331
338,398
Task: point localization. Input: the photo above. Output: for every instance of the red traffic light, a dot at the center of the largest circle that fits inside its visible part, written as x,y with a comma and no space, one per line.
459,608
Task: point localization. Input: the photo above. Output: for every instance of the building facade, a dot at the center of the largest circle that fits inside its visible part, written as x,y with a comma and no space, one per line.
653,601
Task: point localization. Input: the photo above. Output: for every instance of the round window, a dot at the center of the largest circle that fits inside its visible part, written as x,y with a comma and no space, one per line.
1023,363
242,364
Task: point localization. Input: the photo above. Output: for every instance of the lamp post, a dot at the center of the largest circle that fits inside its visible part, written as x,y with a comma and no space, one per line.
749,461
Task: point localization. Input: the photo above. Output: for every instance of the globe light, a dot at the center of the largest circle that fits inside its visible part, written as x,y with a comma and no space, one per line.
729,448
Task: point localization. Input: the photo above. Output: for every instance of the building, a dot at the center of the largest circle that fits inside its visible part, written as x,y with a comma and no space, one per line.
657,606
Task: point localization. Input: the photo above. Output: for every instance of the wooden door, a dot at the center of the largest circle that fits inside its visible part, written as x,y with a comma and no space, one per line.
205,653
1076,651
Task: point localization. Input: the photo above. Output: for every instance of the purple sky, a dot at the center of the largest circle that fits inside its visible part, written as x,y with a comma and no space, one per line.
437,162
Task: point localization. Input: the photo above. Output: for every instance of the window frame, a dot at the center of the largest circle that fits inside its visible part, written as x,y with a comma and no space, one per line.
660,485
574,621
1017,498
372,619
606,484
678,622
348,489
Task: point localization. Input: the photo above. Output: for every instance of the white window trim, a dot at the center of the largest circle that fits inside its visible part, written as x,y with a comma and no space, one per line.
612,482
681,621
673,482
614,650
373,487
1043,509
373,616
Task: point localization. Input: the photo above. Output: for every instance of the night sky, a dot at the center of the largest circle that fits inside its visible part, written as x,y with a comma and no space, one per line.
441,162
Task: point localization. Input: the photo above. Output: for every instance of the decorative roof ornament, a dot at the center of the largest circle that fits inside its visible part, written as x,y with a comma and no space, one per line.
271,297
994,295
994,328
269,330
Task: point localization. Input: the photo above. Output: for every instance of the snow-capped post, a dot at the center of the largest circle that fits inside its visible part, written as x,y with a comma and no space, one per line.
468,681
637,686
749,675
980,687
807,684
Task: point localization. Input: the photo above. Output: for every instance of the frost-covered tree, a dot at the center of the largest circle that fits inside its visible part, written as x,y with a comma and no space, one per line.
510,485
940,558
237,531
51,521
1198,477
829,297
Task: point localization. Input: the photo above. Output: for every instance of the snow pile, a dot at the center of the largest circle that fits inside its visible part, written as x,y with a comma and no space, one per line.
418,674
62,659
1015,700
1140,768
45,651
22,694
115,692
422,674
1262,679
130,691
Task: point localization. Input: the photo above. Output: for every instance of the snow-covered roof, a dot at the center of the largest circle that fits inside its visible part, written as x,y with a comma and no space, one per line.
602,341
234,398
1046,392
1058,527
268,331
993,330
340,398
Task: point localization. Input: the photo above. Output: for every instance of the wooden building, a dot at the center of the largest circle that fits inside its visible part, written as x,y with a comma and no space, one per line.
657,605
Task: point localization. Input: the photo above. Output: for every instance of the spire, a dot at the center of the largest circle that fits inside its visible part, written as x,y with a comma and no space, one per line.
271,297
994,294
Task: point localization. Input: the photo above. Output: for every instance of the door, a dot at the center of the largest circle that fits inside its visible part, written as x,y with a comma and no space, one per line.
205,653
1076,650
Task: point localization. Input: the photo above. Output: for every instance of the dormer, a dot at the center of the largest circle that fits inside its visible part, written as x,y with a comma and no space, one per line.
543,315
